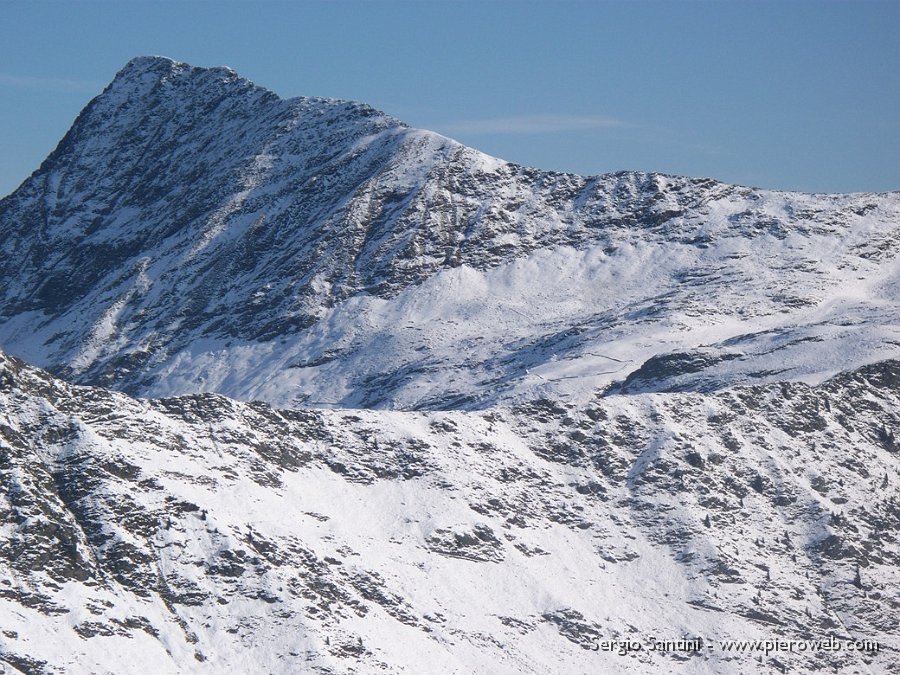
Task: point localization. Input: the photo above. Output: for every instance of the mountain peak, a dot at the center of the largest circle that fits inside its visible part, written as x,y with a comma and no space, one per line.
142,74
142,71
163,65
196,234
150,61
194,231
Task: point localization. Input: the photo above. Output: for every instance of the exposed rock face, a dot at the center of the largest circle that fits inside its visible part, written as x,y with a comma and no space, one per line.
194,232
200,534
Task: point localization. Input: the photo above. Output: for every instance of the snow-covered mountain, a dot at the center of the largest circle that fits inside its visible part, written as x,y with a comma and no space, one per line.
199,534
194,232
408,408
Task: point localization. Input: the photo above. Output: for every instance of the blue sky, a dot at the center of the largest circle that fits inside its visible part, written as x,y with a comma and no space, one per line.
790,95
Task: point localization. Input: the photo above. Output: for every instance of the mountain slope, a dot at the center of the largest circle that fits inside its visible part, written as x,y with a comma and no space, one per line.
200,534
194,232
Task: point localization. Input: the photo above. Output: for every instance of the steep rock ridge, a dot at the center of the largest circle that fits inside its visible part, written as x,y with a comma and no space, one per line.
200,534
194,232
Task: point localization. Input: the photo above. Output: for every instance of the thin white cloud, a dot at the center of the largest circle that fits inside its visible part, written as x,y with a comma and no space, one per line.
531,124
47,83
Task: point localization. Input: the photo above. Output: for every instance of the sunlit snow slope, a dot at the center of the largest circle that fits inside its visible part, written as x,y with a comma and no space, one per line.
203,535
194,232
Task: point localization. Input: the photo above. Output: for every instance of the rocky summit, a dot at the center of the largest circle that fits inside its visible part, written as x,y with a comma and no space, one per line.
193,232
288,386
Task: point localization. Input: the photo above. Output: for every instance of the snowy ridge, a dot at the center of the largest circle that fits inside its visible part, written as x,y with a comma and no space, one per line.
200,534
409,408
194,232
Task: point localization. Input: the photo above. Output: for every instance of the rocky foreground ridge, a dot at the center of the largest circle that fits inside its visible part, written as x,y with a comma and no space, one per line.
201,534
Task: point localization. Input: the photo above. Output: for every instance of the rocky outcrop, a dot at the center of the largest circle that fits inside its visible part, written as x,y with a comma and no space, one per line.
192,534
